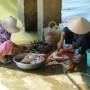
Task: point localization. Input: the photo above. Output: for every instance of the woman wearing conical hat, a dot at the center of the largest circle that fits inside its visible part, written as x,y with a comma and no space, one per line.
77,35
7,27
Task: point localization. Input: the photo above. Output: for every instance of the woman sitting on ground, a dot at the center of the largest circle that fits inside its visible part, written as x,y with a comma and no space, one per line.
7,27
77,35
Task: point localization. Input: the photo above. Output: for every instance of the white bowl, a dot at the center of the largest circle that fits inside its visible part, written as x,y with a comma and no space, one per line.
28,66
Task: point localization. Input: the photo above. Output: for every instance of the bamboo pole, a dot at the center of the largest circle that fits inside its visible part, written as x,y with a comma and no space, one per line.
40,18
21,13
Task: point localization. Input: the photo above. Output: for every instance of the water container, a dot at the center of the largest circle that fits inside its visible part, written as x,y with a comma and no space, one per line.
88,57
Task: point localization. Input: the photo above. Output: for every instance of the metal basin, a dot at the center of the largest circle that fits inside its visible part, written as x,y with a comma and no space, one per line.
28,66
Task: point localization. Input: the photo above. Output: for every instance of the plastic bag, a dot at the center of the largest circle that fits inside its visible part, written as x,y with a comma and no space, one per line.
51,33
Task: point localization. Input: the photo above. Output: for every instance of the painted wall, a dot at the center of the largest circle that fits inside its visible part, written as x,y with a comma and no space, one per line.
51,11
30,14
8,8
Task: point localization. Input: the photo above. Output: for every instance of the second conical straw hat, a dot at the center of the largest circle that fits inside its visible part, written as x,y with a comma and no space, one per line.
79,25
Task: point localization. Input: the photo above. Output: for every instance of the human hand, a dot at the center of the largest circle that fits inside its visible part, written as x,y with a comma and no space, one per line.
61,51
59,45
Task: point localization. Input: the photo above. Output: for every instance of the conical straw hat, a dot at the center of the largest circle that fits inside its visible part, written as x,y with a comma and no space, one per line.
10,25
79,25
23,38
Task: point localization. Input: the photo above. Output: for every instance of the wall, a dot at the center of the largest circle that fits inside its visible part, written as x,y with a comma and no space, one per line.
30,13
51,8
8,8
52,11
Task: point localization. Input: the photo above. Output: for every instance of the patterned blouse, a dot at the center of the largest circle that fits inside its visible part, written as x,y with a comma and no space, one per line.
4,35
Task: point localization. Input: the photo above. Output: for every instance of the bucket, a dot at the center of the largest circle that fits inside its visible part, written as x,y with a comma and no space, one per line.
88,57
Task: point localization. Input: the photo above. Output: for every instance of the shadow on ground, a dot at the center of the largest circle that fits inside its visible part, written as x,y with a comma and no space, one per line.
42,70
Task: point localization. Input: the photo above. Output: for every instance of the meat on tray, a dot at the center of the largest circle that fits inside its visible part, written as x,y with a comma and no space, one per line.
40,47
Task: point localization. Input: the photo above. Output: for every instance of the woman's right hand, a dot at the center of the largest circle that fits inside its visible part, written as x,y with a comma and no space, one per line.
60,51
60,44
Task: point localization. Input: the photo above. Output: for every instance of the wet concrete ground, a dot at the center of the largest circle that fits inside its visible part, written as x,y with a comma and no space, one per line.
43,78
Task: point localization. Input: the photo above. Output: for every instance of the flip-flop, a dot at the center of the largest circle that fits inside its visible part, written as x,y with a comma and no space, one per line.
4,61
69,65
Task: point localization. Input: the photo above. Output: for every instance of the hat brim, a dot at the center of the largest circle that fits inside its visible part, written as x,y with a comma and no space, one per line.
12,30
79,25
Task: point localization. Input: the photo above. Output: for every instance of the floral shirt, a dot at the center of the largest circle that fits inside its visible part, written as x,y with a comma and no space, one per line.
4,35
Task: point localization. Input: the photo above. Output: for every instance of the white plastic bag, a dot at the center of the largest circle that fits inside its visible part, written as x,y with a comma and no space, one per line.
51,34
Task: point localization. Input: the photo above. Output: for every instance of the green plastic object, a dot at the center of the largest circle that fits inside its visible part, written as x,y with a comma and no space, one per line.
88,57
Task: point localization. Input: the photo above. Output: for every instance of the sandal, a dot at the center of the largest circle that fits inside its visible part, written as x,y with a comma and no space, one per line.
73,67
69,65
4,61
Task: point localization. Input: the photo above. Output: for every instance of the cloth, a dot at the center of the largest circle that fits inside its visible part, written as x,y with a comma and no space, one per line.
6,48
80,42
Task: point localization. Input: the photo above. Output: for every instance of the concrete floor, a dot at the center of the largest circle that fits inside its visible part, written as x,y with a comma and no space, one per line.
12,78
